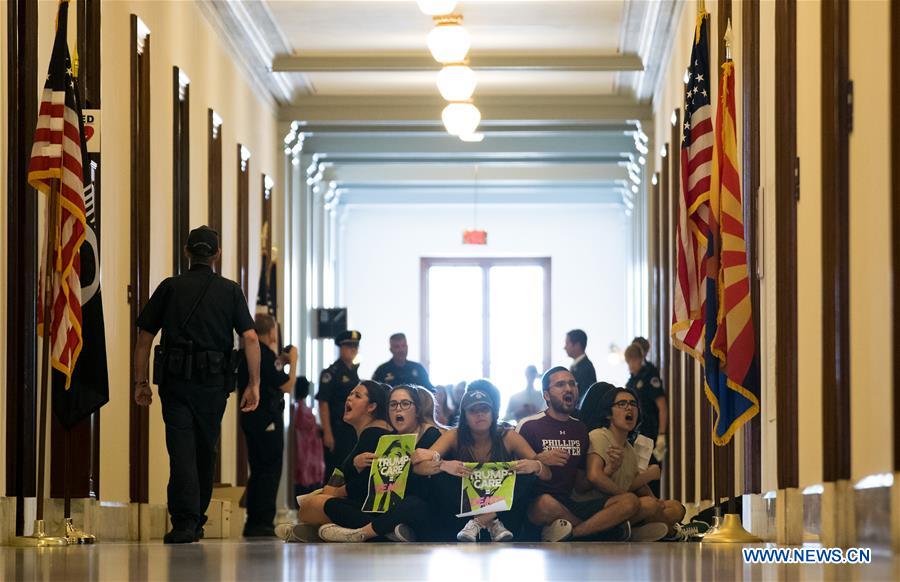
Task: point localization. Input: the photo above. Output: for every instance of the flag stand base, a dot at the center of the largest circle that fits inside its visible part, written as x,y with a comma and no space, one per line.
730,531
39,539
75,536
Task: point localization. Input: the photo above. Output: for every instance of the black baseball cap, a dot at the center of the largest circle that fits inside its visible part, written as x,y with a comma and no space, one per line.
203,241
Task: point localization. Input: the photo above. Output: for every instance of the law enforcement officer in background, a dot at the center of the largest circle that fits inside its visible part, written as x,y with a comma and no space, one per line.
335,384
645,381
264,427
198,312
398,370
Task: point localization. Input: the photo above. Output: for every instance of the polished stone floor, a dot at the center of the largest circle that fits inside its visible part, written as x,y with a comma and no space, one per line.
273,560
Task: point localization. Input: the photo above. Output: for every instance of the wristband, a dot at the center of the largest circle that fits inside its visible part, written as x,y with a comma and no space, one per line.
541,465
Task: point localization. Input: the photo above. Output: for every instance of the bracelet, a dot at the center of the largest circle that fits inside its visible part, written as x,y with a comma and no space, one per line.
541,470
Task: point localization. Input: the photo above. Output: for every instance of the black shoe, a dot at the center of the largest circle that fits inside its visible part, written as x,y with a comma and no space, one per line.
198,533
259,531
180,536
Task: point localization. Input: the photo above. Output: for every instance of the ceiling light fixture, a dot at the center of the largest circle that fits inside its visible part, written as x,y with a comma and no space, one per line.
472,137
449,41
461,118
456,82
436,7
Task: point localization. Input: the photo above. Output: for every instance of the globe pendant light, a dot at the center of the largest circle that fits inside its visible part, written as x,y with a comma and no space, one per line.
456,82
449,41
461,118
436,7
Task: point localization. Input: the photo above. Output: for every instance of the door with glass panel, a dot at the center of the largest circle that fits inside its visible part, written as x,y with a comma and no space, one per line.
485,318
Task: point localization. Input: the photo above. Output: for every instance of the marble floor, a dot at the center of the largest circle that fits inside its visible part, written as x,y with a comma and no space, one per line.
273,560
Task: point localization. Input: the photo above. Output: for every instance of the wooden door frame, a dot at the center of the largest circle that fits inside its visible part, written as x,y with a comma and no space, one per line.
787,192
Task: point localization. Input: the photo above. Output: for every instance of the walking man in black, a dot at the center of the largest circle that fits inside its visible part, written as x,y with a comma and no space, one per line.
198,312
264,428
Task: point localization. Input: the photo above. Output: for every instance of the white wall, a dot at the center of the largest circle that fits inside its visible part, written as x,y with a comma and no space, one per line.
589,247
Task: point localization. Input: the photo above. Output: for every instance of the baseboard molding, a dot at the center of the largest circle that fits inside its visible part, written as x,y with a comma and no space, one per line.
863,514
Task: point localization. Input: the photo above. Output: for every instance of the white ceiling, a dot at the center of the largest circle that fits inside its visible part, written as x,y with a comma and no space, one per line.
560,26
563,86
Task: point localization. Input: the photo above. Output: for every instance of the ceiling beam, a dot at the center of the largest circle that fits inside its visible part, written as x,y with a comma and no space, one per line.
443,173
421,61
533,109
434,127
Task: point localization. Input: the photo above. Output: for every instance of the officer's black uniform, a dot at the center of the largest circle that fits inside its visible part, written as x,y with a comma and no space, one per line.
335,384
192,383
410,373
264,430
649,387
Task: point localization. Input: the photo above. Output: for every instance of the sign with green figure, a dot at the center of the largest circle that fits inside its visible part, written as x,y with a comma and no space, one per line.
489,489
390,472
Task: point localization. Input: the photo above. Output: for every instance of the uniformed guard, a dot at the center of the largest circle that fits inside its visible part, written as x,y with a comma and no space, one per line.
645,381
398,370
335,384
198,312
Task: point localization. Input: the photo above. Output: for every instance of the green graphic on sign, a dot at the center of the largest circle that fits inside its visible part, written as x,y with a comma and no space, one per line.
488,489
389,472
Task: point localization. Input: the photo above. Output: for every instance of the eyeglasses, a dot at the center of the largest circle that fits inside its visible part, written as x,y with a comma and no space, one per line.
623,404
401,404
565,383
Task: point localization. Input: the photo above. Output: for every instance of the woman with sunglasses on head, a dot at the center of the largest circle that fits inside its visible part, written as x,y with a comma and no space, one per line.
613,464
366,411
478,439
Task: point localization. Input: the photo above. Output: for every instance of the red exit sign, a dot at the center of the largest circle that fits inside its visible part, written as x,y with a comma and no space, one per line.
475,237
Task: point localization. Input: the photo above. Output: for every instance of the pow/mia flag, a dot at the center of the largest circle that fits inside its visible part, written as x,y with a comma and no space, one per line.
89,386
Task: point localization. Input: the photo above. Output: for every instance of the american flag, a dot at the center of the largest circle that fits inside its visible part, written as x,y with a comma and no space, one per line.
693,226
56,163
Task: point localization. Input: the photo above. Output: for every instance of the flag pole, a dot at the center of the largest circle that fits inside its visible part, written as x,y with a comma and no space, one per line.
39,536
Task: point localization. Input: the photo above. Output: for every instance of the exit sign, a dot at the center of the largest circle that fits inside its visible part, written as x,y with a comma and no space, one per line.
475,237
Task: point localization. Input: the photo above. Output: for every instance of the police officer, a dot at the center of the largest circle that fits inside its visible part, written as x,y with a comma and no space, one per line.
398,370
264,427
335,384
198,312
645,381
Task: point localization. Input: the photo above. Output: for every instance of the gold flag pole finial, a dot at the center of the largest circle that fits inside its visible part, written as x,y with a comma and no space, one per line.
701,6
729,40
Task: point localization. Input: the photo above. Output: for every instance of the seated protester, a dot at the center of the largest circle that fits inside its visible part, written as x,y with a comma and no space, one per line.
612,464
366,412
478,439
408,414
427,403
562,444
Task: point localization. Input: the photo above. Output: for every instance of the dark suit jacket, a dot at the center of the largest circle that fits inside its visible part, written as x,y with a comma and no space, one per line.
585,375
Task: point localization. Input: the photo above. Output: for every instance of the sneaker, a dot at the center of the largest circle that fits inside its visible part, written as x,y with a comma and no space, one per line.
331,532
402,533
649,532
298,533
498,531
470,532
557,531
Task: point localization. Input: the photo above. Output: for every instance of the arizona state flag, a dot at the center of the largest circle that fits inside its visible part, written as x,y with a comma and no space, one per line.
730,364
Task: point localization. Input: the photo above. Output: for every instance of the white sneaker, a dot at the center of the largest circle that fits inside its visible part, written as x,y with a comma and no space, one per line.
402,533
649,532
331,532
470,532
498,531
557,531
